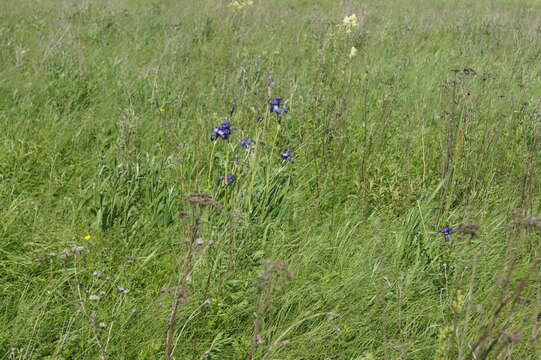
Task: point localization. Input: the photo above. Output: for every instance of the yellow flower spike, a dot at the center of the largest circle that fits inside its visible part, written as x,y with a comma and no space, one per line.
235,5
350,22
88,237
239,4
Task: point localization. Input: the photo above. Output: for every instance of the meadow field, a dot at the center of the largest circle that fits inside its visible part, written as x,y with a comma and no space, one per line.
270,179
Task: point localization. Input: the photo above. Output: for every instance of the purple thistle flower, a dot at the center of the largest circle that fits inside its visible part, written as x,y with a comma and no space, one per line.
223,131
286,154
228,179
247,144
275,106
446,231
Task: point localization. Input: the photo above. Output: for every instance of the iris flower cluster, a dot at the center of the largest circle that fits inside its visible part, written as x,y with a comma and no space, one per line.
226,129
223,131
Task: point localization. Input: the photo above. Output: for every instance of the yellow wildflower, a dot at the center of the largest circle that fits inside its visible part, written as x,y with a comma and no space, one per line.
239,4
353,52
162,110
88,237
350,22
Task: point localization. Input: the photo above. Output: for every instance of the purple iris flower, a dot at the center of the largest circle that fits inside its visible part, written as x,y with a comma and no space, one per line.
275,106
447,231
228,179
247,144
223,131
286,154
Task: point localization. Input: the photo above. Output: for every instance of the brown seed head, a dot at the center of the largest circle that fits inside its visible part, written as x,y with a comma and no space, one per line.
203,199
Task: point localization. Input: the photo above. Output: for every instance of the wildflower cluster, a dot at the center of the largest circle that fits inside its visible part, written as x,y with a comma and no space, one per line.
349,23
240,4
223,131
248,144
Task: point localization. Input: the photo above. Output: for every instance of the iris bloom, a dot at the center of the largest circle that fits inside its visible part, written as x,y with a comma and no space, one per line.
247,144
223,131
286,154
275,106
228,179
446,231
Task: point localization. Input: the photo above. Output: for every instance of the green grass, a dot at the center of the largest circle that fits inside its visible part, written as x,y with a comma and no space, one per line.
105,114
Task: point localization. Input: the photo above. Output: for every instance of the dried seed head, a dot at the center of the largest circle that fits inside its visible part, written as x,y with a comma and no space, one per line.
181,292
203,199
511,337
468,229
77,249
533,221
272,271
40,258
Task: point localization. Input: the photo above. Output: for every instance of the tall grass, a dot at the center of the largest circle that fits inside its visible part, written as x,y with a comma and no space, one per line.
106,109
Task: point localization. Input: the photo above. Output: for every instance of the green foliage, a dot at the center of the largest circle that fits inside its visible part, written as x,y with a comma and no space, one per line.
105,114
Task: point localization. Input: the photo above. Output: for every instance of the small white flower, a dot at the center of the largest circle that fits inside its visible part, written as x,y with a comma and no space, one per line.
94,298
